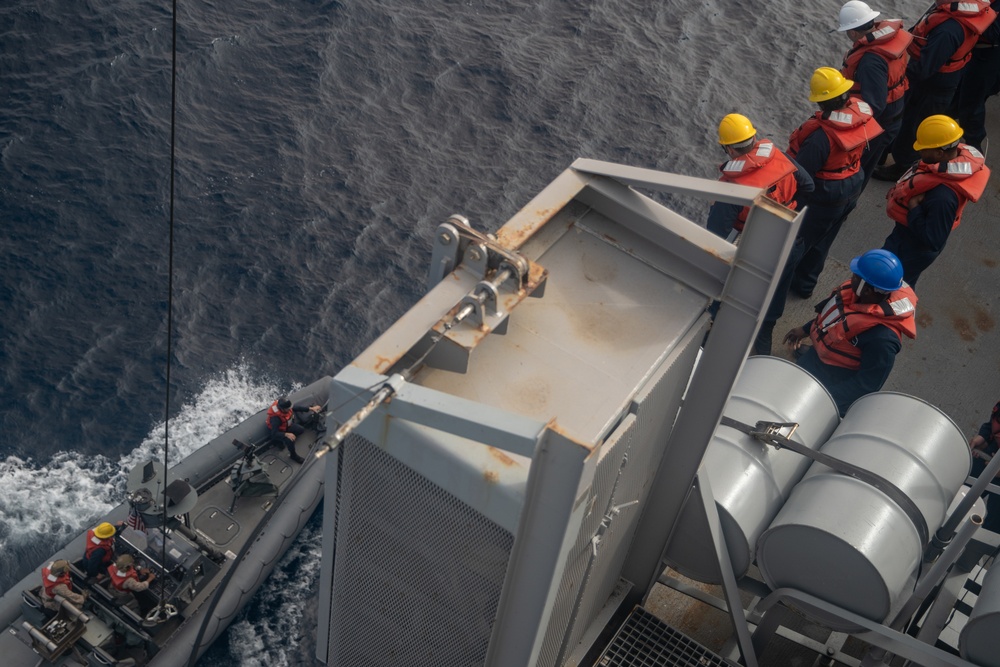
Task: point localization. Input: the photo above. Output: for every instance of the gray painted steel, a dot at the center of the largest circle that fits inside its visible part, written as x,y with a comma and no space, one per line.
980,638
553,434
844,541
749,480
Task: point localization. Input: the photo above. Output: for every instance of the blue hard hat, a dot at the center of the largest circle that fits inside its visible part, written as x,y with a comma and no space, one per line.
879,268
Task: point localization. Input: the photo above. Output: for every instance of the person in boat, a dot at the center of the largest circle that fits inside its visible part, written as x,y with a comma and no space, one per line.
927,202
285,422
876,63
126,581
756,163
858,331
944,39
985,445
828,146
56,580
99,550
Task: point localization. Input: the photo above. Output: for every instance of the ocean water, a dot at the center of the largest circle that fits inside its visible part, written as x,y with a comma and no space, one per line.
318,145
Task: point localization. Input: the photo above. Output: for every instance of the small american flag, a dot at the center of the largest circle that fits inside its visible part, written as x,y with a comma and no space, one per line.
134,520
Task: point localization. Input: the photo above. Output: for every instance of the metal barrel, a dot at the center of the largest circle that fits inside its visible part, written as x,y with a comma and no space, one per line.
843,540
751,481
980,638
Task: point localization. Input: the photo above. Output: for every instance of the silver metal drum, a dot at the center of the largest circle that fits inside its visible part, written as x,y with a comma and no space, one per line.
844,541
750,481
980,638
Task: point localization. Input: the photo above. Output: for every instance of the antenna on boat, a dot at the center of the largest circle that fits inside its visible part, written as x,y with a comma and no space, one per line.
162,611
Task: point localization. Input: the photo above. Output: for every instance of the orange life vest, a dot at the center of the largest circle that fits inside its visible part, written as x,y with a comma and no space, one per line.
284,415
764,166
842,320
118,578
849,130
94,542
966,175
50,581
889,41
975,16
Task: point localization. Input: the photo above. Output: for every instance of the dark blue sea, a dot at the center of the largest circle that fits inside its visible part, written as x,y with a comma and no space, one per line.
317,146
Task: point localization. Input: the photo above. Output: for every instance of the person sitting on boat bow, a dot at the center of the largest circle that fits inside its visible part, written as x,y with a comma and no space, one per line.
126,581
284,424
56,580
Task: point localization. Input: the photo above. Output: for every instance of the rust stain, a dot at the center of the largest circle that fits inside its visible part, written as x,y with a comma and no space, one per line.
963,327
501,456
383,364
983,320
491,476
990,262
924,319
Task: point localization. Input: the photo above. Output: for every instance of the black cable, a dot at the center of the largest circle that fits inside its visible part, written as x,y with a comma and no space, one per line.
170,293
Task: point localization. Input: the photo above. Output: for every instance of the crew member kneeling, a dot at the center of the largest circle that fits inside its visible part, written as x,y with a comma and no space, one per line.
858,331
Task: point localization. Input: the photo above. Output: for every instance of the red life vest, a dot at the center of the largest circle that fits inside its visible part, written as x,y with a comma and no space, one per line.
94,542
849,130
975,16
284,415
841,320
118,578
764,166
889,41
966,175
50,581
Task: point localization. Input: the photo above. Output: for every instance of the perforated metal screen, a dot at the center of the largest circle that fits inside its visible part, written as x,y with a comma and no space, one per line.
646,641
417,573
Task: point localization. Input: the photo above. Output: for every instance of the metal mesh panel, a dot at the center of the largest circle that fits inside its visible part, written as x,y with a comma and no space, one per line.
417,573
646,641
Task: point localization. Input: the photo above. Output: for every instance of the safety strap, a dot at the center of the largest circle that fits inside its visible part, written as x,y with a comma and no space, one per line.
770,434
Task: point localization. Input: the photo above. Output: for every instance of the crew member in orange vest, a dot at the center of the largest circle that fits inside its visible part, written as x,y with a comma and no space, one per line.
876,63
828,147
756,163
282,426
943,41
56,580
99,550
858,331
126,581
928,201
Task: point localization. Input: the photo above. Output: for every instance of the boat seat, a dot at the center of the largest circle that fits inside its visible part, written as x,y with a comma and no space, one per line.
32,608
115,602
98,657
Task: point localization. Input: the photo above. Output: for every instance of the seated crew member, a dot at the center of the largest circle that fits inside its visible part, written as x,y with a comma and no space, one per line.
283,423
56,580
858,330
99,551
756,163
126,581
927,202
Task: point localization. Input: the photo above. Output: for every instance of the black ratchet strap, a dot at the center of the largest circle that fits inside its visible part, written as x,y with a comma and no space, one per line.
770,433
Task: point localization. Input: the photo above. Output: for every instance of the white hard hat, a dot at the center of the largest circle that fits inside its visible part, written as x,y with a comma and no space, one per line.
854,14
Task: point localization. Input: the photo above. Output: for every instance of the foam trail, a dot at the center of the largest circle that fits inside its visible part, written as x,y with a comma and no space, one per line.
45,504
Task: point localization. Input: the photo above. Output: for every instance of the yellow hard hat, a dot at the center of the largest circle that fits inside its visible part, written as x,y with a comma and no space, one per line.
937,132
104,530
827,83
735,129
